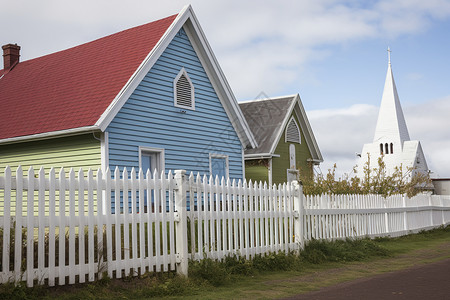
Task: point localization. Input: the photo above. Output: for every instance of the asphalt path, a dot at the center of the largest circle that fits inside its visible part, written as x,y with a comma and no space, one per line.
429,282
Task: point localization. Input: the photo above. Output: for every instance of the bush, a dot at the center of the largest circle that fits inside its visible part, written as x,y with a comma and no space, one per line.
210,270
320,251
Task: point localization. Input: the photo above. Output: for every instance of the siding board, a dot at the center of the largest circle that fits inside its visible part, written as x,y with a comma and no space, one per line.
68,152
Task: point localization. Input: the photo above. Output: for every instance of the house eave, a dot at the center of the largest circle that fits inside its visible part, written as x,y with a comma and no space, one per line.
315,161
260,156
49,135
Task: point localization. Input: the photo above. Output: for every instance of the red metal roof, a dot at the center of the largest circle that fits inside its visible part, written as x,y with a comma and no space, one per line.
72,88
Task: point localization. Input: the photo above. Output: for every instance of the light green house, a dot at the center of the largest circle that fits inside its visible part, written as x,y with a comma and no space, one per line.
286,143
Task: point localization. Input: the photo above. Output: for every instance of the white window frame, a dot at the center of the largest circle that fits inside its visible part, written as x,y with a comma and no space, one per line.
227,166
183,72
298,130
159,151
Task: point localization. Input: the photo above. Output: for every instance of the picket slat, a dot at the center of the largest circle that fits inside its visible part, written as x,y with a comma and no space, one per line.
72,266
91,226
30,228
6,221
51,231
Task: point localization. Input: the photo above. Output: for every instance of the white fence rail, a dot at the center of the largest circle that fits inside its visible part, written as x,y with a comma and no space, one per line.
67,227
341,216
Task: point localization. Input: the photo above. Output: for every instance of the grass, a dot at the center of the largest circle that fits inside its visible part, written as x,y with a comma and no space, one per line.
276,275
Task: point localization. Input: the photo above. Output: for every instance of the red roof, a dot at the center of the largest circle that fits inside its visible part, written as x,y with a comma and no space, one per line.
72,88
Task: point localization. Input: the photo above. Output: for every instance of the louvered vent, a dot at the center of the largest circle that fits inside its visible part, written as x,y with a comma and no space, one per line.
293,132
184,94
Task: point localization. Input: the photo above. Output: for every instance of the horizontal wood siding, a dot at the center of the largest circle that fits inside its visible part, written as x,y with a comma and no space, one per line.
150,119
79,151
281,164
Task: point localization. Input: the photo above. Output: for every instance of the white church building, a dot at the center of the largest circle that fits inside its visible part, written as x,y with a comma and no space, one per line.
391,140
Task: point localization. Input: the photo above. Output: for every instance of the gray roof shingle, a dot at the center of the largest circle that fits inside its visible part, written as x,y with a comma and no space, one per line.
265,118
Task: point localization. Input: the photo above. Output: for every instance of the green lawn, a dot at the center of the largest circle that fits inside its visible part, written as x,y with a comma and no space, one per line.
321,264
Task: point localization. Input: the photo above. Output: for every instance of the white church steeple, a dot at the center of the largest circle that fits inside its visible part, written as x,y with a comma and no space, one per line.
391,125
391,140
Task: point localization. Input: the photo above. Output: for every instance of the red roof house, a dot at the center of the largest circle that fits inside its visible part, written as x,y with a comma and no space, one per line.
80,107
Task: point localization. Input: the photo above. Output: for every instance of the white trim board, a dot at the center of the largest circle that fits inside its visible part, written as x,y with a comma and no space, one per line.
160,151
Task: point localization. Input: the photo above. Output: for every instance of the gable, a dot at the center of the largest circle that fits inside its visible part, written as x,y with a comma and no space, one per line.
269,118
150,118
265,118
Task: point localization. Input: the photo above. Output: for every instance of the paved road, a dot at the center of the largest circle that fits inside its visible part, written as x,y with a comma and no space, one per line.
427,282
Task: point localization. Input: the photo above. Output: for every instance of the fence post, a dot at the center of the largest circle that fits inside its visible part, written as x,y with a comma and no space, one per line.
430,205
405,215
181,223
386,216
298,213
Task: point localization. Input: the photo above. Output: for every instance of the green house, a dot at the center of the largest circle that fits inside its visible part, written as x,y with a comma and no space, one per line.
286,143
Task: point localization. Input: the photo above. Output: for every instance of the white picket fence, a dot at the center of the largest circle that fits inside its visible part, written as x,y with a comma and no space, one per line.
342,216
130,223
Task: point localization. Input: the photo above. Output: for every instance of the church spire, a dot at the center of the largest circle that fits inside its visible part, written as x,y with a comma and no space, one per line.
391,125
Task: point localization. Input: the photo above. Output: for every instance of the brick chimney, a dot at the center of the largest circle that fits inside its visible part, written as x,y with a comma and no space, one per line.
11,54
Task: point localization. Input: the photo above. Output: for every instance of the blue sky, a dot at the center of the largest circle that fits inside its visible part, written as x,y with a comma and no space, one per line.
331,52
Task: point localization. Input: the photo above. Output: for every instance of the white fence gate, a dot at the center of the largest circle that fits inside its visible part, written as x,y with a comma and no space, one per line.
74,227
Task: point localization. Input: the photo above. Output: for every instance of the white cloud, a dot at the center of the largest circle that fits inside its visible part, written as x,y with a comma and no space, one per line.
341,133
261,45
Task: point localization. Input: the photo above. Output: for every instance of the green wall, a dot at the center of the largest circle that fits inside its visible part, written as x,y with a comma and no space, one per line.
281,164
68,152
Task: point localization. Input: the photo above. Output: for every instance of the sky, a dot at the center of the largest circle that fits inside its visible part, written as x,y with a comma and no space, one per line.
332,53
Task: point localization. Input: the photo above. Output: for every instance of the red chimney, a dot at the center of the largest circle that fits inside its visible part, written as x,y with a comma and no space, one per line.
11,54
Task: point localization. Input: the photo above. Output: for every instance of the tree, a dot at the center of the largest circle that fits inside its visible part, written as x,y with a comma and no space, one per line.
375,181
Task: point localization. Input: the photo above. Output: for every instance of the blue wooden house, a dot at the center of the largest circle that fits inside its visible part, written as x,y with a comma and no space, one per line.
151,97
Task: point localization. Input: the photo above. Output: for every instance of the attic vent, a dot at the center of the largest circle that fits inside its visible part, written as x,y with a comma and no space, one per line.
293,132
183,91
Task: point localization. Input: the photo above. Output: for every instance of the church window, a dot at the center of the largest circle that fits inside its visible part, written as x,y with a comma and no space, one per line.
392,148
292,134
387,148
381,149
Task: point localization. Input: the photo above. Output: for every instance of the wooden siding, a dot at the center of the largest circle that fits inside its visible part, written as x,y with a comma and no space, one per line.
150,119
78,151
281,164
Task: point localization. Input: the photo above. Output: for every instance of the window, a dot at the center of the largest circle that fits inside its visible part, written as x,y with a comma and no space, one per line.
392,148
387,148
292,134
218,165
381,149
151,159
183,90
